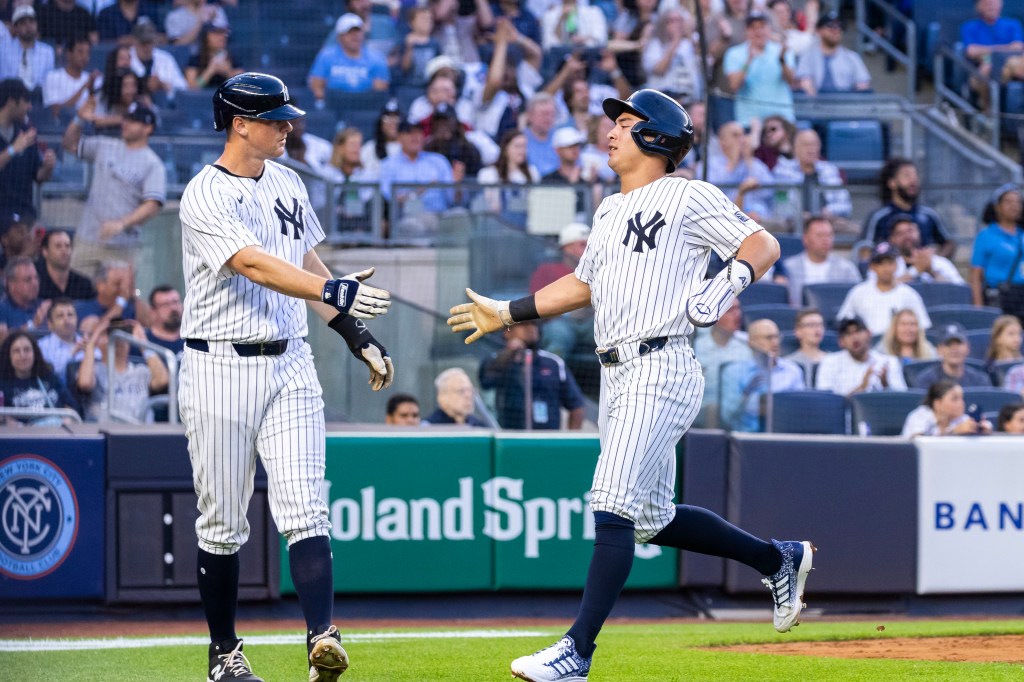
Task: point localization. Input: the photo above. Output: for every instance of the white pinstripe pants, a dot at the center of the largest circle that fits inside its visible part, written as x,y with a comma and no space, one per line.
647,404
236,408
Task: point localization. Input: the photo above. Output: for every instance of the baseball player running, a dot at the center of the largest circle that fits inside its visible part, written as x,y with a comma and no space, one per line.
643,271
248,385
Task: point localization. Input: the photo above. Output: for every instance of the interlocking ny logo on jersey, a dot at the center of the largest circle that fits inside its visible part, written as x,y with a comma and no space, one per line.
645,233
293,218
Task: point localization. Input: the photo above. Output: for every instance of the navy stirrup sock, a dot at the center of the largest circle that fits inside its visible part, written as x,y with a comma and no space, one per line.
310,564
218,587
609,568
696,529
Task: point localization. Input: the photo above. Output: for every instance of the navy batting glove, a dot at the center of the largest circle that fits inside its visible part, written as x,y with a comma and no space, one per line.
351,297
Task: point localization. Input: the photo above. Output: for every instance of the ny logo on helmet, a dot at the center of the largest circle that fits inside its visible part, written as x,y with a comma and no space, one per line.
645,232
292,217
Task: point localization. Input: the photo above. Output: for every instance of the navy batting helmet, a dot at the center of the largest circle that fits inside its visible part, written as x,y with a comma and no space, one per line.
253,95
666,128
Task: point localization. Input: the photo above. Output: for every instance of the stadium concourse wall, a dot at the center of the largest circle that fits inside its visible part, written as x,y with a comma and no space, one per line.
108,514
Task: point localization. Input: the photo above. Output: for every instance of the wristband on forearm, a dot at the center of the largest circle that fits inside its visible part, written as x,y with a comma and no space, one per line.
352,329
524,309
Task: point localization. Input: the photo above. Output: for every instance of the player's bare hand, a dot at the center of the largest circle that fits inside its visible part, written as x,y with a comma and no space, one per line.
351,297
482,316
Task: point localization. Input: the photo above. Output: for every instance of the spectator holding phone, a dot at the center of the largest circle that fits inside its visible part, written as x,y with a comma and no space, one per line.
943,413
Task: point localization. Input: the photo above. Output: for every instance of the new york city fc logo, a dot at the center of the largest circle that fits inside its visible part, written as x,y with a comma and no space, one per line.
38,517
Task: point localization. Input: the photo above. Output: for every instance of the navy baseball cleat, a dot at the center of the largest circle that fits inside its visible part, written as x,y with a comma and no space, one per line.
227,662
327,659
787,585
558,663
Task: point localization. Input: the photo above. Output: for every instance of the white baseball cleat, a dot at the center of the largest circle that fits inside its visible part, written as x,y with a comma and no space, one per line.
559,662
787,585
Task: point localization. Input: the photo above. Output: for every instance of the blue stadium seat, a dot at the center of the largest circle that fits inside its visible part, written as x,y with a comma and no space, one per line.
999,370
345,103
989,399
882,413
764,292
322,123
789,244
979,340
858,147
827,298
818,412
913,369
970,316
781,314
942,293
1013,103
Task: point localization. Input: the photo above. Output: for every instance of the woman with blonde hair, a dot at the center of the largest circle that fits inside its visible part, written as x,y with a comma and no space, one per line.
1005,340
905,339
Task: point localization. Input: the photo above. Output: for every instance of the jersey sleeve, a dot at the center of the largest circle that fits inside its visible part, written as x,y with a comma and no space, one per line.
89,147
154,186
213,227
711,219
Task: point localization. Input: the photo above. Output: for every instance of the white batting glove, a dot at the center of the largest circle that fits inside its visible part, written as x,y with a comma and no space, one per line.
382,369
351,297
716,296
482,316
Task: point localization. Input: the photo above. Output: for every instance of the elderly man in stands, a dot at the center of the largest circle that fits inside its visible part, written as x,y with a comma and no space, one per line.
24,56
22,162
916,262
901,192
820,181
827,66
954,349
735,168
856,368
348,66
816,264
21,308
746,384
986,35
721,344
880,296
69,87
760,72
455,399
420,206
539,129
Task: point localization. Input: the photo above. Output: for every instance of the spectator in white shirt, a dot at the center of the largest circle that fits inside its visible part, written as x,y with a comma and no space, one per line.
156,67
916,262
63,344
670,60
25,56
69,87
876,300
820,181
943,414
856,368
574,24
816,264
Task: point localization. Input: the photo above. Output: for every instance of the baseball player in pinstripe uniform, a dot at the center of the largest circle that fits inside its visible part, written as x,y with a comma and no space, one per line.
643,271
248,385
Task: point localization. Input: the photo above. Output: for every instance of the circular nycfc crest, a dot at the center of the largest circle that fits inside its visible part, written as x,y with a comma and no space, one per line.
38,517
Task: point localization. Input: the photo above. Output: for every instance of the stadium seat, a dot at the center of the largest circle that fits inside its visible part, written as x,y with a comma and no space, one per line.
1013,103
970,316
344,104
936,294
882,413
989,399
857,147
999,370
913,369
783,315
979,340
789,244
764,292
827,298
322,123
818,412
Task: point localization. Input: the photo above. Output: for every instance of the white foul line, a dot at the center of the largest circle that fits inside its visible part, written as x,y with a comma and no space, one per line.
146,642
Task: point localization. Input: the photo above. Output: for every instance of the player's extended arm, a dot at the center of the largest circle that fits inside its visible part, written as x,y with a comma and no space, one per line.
756,254
485,315
347,295
360,341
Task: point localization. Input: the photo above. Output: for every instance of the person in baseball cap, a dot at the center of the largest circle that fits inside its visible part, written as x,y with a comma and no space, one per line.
954,348
137,111
568,143
16,235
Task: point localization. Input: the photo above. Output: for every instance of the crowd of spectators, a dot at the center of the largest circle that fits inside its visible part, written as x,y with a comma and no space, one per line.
508,96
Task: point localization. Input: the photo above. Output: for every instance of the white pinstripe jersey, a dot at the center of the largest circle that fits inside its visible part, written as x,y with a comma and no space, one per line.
222,213
648,252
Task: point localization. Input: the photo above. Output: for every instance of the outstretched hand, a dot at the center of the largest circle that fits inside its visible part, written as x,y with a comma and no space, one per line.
351,297
482,316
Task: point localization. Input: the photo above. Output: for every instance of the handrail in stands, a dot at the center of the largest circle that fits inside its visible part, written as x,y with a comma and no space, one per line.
944,93
908,59
36,412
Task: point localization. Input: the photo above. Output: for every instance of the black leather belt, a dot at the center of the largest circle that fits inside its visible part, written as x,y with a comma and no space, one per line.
245,350
610,356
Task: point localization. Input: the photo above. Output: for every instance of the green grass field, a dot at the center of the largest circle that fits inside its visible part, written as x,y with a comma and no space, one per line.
665,653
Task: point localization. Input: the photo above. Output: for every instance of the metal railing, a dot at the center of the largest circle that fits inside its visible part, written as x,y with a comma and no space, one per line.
170,359
945,57
864,32
41,412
